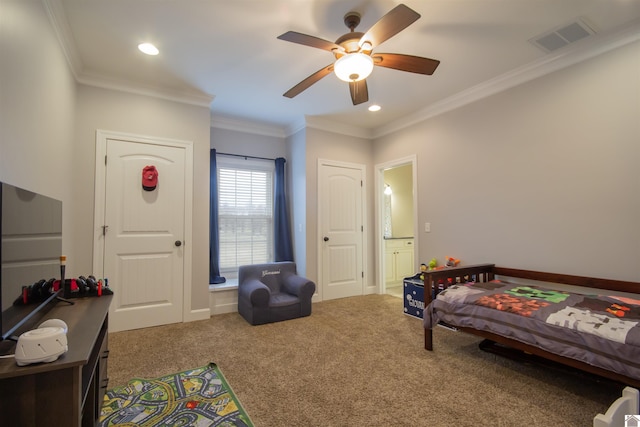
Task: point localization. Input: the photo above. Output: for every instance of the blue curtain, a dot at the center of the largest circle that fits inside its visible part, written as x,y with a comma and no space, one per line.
281,229
214,235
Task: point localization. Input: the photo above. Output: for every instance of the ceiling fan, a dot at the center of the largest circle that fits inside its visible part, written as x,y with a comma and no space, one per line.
354,52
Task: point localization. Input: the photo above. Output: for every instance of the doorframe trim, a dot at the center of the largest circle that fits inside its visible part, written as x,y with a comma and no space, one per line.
363,170
379,213
99,204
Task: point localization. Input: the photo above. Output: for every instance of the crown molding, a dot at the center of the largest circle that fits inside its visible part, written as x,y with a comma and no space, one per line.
196,98
547,64
247,126
335,127
296,127
58,19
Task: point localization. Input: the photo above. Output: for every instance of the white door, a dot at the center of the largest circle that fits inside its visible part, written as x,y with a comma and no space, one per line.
143,239
341,230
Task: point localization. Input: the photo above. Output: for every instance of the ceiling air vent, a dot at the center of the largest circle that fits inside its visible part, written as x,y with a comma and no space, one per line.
562,36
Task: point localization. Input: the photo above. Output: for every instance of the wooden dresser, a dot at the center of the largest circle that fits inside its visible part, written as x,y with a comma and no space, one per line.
69,391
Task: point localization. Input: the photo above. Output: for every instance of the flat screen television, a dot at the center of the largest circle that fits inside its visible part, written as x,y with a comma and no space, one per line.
30,250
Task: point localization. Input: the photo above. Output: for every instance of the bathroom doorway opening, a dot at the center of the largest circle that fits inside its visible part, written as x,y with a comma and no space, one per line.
396,234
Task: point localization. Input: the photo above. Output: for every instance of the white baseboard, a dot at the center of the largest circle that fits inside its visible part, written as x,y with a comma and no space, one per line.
201,314
223,301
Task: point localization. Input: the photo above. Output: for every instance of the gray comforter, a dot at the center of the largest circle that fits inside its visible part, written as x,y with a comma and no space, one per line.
600,330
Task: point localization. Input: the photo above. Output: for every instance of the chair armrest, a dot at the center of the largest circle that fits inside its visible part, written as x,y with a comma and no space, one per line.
255,291
299,286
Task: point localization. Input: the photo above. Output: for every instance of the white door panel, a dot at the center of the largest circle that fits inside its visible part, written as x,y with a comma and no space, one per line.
143,244
341,229
343,261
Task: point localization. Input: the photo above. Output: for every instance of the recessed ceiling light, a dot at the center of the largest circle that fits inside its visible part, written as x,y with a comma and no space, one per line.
148,48
375,107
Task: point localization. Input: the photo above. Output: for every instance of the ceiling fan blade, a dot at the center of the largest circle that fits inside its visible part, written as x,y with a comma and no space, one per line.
359,92
389,25
306,83
413,64
307,40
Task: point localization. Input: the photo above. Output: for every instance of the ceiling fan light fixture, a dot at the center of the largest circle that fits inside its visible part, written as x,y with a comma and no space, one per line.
353,67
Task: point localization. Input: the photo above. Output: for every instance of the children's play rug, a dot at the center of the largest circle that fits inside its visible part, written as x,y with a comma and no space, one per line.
198,397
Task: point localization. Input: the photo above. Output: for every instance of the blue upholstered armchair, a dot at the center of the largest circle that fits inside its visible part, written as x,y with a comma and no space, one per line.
273,292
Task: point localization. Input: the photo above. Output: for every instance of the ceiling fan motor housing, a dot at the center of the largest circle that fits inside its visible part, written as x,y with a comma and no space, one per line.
349,42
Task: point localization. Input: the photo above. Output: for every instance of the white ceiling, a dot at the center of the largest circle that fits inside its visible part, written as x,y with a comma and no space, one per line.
225,54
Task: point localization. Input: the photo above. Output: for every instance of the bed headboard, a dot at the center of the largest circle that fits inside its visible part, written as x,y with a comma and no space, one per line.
477,273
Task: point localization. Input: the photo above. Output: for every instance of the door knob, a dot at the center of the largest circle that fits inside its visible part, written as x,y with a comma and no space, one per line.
178,243
326,239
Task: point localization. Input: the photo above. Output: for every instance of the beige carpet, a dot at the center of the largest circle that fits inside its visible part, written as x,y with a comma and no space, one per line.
360,362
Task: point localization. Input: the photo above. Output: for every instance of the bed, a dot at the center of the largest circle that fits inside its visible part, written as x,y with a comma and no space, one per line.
596,330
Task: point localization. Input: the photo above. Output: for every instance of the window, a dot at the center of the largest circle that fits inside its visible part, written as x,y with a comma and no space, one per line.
245,212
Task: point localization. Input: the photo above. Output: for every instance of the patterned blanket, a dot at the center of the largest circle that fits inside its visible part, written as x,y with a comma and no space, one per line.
602,330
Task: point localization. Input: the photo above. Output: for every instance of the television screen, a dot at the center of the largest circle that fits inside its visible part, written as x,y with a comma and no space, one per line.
31,231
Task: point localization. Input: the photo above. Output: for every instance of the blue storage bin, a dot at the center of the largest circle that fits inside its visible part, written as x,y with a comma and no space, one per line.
413,297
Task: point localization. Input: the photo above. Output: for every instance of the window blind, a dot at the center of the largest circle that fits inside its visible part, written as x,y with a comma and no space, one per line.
245,212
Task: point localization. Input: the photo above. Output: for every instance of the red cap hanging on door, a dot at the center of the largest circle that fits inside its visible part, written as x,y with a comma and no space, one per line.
149,178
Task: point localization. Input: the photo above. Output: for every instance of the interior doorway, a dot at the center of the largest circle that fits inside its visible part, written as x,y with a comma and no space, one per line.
340,229
143,232
396,218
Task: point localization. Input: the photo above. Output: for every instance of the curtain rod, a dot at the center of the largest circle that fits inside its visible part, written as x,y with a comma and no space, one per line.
245,157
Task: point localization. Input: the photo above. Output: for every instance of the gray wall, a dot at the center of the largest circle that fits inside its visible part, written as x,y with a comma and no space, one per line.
297,152
331,146
543,176
119,111
248,144
47,134
37,108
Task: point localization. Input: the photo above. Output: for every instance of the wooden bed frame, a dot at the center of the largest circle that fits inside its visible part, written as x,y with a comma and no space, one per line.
487,272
